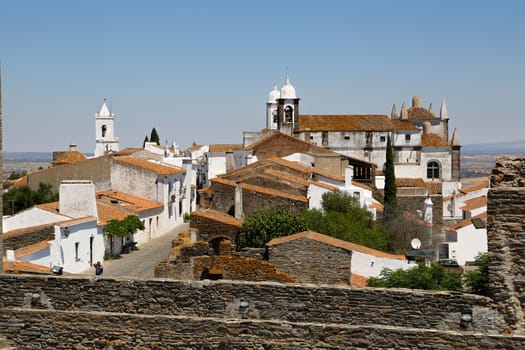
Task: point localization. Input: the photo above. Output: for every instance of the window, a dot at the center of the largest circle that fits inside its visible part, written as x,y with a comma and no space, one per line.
382,138
368,137
347,137
104,130
433,170
407,137
288,111
274,114
77,244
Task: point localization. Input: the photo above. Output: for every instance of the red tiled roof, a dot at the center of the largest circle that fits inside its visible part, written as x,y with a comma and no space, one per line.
368,122
361,185
25,267
128,201
433,140
259,189
475,203
358,280
127,151
223,148
218,216
335,243
19,182
69,157
305,169
408,182
420,113
154,167
378,206
107,212
465,190
52,207
402,125
466,222
30,249
274,135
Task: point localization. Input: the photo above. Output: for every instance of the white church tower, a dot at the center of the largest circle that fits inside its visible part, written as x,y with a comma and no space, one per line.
105,131
271,109
287,109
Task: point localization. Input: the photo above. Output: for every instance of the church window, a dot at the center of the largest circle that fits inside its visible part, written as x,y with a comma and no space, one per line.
433,170
288,111
77,245
274,114
347,137
382,138
104,130
407,137
368,137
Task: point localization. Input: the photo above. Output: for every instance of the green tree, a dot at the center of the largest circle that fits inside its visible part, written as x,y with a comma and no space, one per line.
144,142
260,227
432,277
17,174
23,197
154,136
390,191
477,281
123,228
342,217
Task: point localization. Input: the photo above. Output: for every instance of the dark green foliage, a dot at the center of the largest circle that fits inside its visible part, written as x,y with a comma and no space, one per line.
17,174
23,197
343,218
432,277
123,228
390,191
144,142
477,281
154,136
262,226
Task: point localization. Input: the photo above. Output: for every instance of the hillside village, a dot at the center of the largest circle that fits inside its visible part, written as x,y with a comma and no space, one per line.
290,163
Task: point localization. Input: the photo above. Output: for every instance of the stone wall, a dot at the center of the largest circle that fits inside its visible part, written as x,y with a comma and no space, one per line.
96,170
212,224
25,237
300,259
83,330
506,239
265,301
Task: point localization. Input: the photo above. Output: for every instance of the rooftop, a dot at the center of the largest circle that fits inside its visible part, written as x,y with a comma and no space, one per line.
368,122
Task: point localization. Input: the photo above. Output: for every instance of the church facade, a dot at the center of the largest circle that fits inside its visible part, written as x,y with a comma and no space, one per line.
420,138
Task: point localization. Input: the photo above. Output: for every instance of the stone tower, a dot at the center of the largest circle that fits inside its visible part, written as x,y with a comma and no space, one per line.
287,109
456,157
105,131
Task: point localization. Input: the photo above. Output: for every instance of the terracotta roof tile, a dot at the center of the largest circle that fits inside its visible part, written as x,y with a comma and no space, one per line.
128,151
465,190
344,123
335,243
223,148
324,185
51,207
434,187
408,182
218,216
286,176
155,167
305,169
433,140
475,203
25,267
274,135
402,125
362,185
69,157
195,148
107,212
263,190
24,230
358,280
19,182
420,113
466,222
377,206
30,249
128,201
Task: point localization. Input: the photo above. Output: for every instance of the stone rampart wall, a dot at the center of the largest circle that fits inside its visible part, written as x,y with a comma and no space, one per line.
263,300
506,239
44,329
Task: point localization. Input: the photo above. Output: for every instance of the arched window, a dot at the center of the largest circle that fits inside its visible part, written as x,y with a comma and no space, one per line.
104,129
433,170
288,111
274,114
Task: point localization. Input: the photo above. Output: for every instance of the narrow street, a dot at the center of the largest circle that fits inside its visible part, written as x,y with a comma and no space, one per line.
140,263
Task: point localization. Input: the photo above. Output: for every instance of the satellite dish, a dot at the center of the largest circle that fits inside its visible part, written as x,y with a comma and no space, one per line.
415,243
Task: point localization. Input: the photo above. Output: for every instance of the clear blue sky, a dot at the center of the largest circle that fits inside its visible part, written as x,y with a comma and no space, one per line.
201,70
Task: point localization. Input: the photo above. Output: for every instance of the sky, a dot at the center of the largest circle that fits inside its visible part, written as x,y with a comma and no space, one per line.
201,71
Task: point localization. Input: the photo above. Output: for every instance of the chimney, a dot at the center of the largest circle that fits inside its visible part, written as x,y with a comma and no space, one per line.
349,174
230,161
238,201
416,102
72,147
77,198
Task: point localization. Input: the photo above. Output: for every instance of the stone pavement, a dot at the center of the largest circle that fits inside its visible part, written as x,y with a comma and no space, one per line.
140,263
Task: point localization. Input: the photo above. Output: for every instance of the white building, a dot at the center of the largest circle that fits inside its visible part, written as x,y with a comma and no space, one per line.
106,141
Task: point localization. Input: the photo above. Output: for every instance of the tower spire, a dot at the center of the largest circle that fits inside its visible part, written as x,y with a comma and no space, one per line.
404,112
393,114
443,113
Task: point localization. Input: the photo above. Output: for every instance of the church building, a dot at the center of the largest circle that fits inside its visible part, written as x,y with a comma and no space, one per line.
106,141
420,139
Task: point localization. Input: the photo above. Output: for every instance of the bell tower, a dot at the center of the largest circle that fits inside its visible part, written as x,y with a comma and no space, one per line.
287,109
105,133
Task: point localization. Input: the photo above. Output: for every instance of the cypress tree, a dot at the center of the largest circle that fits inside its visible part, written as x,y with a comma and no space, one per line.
145,140
154,137
390,191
